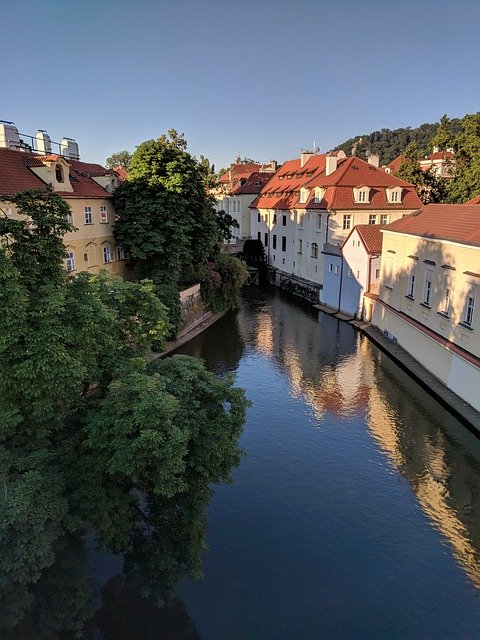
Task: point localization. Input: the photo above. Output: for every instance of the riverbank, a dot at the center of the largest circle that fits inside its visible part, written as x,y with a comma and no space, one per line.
191,332
447,398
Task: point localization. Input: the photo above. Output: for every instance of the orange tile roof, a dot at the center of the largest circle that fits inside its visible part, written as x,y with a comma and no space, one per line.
455,222
370,235
282,191
475,200
441,155
16,175
253,183
394,165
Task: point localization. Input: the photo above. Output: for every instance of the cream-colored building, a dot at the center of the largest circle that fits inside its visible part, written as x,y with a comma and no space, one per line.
86,187
429,293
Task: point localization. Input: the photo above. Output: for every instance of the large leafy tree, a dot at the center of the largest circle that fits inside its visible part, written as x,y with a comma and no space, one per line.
466,145
90,436
120,159
429,187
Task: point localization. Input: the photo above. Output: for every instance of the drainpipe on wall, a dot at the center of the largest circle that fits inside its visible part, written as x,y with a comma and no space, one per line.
341,280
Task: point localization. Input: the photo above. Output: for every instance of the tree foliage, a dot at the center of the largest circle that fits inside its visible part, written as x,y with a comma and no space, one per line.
389,144
430,188
221,282
466,146
90,435
121,160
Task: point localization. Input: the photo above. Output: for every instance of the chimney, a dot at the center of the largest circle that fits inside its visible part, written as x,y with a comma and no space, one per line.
43,142
273,165
436,149
330,163
305,157
374,159
69,149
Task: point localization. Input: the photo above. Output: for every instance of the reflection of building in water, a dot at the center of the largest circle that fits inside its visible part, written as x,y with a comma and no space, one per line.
343,377
442,474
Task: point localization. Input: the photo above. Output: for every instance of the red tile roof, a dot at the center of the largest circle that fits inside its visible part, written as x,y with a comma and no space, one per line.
122,173
394,165
282,191
16,175
370,235
455,222
240,169
441,155
254,183
475,200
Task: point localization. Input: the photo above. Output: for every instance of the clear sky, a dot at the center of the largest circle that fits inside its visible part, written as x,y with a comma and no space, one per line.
252,78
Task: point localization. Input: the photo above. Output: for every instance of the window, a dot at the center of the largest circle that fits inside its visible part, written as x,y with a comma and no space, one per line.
319,193
238,205
274,218
347,221
411,285
303,195
107,254
284,221
350,274
274,241
58,173
361,194
284,243
300,244
319,220
70,261
259,236
377,274
103,215
122,254
258,217
447,296
394,194
330,267
427,288
468,311
88,215
266,240
384,218
372,219
336,269
314,250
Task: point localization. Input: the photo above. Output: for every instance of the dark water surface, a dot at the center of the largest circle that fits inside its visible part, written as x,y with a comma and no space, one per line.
356,510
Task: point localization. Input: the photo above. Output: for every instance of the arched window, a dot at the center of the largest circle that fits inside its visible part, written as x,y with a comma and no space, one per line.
314,250
59,173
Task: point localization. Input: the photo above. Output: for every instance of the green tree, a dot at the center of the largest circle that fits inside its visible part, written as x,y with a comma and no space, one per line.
443,136
466,145
221,282
121,160
91,437
430,188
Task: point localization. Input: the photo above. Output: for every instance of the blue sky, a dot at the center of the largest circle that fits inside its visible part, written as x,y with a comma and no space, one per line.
261,79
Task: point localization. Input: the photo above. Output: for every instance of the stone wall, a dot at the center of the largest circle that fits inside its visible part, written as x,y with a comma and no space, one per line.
193,309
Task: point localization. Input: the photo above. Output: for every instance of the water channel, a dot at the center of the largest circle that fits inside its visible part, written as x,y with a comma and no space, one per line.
354,514
356,510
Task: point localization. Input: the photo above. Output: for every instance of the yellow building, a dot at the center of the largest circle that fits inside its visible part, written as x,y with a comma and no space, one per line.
88,190
429,293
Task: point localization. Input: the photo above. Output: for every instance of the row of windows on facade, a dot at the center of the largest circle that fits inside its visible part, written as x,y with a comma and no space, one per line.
445,298
313,246
88,215
108,256
346,221
336,268
361,195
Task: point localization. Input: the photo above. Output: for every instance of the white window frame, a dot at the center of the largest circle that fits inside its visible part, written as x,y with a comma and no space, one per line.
411,284
103,214
70,261
427,288
122,254
372,216
469,309
107,254
384,218
314,250
87,215
303,195
361,195
300,245
347,221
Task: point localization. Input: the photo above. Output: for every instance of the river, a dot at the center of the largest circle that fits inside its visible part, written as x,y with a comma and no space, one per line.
355,512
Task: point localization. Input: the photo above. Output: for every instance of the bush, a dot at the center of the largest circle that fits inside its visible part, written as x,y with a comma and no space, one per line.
221,281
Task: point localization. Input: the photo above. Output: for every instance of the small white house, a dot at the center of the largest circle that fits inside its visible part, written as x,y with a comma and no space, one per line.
354,272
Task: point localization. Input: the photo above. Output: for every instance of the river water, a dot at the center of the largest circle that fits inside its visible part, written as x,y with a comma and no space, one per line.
355,512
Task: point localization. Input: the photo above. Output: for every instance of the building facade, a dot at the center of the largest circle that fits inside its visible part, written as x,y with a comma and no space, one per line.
430,293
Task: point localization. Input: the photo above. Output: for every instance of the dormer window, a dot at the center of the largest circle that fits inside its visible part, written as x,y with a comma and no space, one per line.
361,195
58,173
394,195
319,193
303,195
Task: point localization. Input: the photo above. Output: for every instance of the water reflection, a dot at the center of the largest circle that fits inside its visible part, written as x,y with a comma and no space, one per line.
338,371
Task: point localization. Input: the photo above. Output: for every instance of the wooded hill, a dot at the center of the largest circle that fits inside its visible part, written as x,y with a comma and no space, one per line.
390,144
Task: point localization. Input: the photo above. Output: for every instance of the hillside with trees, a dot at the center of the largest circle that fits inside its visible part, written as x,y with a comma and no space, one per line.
389,144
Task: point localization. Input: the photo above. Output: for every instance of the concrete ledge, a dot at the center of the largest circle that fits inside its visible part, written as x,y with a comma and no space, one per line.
191,332
447,398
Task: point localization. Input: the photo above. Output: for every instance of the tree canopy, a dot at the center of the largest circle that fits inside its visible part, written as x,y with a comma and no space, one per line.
120,159
466,146
92,436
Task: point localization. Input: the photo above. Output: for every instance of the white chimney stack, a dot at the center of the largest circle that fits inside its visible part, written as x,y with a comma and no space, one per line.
331,162
43,142
374,160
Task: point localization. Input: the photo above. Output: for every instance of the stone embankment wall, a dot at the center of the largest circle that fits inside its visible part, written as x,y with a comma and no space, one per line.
193,309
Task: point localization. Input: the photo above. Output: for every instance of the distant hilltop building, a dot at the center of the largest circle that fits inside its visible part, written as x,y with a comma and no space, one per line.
35,162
